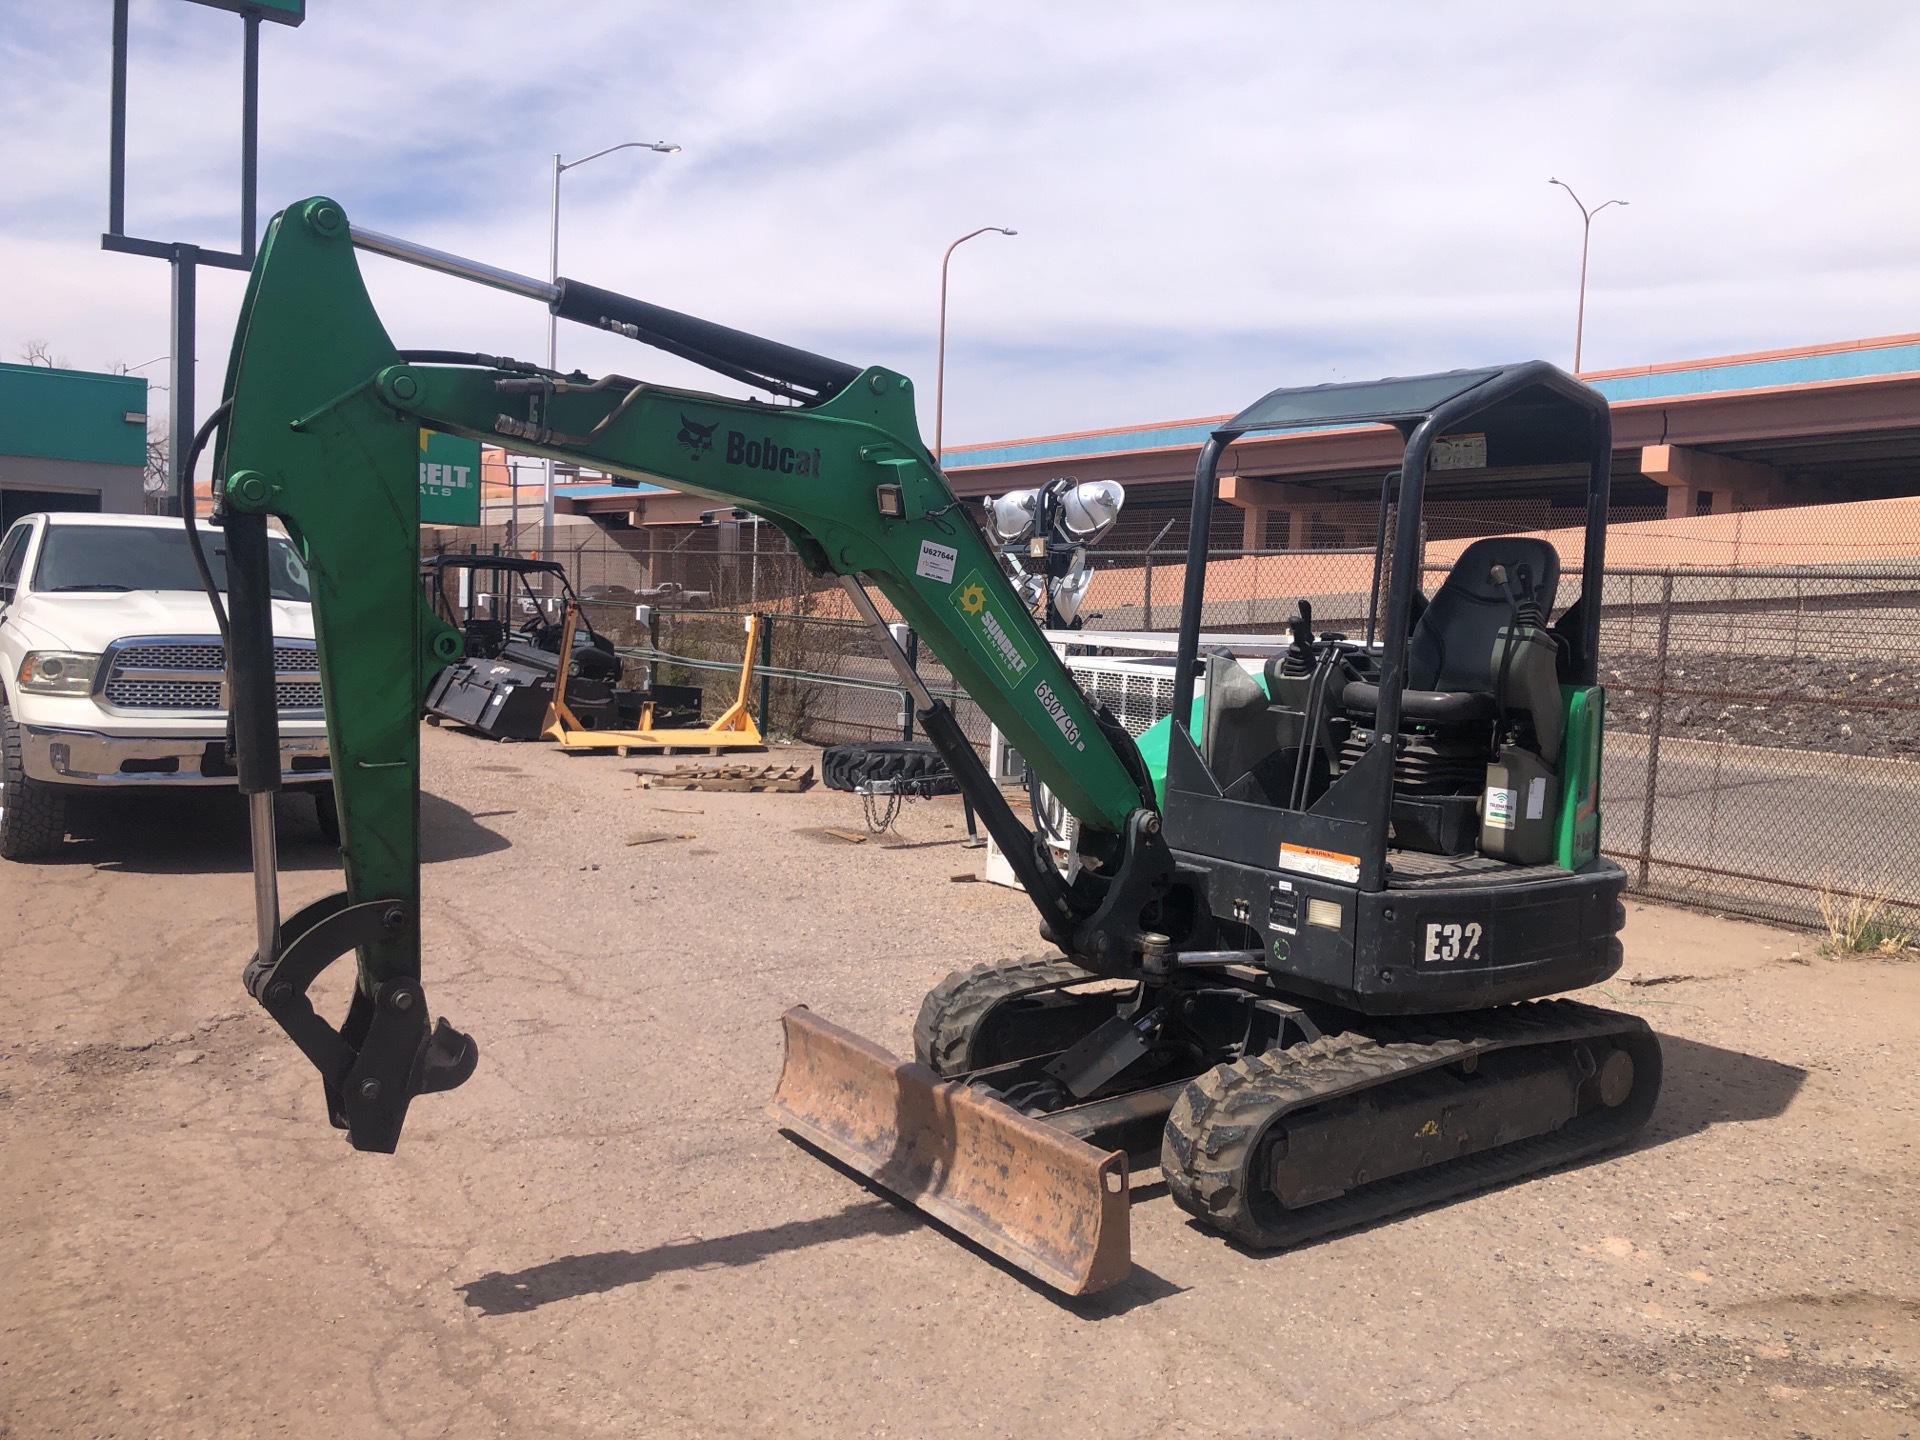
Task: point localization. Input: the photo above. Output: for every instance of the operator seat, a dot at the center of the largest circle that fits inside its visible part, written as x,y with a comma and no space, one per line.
1453,658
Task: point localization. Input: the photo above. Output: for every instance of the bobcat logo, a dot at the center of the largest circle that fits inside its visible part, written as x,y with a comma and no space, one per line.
694,436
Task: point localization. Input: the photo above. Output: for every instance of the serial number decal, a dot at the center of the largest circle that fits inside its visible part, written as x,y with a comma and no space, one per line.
1057,712
936,562
1448,944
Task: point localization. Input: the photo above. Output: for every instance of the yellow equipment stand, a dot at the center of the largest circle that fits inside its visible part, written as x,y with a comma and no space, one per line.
734,730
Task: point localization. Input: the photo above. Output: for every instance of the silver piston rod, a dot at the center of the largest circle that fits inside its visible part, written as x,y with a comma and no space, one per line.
266,875
889,647
428,258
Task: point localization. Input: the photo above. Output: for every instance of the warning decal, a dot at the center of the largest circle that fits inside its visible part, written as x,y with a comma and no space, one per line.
1327,864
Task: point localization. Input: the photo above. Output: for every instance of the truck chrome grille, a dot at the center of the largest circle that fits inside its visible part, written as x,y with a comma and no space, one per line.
186,674
209,657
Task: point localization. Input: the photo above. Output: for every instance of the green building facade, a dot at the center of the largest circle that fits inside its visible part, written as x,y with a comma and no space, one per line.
71,440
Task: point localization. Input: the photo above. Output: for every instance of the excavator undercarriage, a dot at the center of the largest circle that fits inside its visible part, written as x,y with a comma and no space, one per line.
1302,963
1270,1123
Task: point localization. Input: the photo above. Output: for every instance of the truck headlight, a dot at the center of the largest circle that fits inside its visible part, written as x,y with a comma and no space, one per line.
58,672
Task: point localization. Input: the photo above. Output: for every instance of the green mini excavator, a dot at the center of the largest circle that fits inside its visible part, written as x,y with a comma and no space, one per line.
1302,966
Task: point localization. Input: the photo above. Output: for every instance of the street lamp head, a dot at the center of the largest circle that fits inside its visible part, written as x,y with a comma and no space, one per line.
1586,214
659,147
1004,231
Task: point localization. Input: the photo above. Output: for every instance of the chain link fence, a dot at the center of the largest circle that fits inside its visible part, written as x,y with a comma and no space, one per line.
1763,746
732,565
1763,723
821,679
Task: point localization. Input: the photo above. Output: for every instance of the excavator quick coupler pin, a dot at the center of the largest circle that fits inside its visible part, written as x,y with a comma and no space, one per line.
385,1052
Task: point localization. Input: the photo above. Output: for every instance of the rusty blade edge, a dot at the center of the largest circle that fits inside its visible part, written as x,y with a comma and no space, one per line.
1089,1186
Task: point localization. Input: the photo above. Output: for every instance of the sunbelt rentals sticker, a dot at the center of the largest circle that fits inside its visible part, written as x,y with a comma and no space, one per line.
978,605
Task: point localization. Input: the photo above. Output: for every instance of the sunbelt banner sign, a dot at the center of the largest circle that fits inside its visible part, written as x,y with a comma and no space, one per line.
449,480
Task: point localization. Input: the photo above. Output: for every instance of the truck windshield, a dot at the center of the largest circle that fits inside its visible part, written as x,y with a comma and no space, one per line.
130,557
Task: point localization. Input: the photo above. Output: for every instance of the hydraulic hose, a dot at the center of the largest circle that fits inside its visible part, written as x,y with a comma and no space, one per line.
1522,611
200,438
1297,795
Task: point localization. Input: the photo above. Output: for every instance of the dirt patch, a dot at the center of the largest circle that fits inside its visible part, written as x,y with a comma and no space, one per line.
602,1235
1815,1390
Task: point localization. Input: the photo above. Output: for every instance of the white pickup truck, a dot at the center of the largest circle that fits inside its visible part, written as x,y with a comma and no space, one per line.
112,671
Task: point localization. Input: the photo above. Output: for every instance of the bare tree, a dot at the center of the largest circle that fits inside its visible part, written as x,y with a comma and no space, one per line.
38,352
154,480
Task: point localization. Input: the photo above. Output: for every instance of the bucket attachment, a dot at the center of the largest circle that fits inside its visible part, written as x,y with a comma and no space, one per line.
1043,1200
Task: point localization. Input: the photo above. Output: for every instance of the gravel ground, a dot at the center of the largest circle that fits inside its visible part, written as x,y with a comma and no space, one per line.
602,1234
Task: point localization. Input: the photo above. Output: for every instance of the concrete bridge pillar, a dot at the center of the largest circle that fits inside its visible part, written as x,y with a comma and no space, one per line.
1700,482
1261,501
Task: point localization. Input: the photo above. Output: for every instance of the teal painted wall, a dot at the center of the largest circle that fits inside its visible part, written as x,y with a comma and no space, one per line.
72,415
1709,377
1781,370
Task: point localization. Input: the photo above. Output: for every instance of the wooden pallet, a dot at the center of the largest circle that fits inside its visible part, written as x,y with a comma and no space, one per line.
790,779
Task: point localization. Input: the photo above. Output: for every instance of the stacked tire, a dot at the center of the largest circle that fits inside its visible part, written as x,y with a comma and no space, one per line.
848,767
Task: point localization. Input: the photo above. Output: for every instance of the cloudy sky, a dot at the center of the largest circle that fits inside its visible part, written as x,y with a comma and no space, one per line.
1213,199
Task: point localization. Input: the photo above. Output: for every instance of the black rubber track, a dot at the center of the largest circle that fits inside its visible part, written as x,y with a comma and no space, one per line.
1212,1140
846,767
955,1016
33,817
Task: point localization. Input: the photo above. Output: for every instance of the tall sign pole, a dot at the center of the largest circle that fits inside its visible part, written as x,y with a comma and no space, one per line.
185,258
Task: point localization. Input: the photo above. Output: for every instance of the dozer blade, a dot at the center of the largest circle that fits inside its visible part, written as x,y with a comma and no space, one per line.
1049,1203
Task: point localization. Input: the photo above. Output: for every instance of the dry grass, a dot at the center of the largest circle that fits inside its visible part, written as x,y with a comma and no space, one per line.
1865,925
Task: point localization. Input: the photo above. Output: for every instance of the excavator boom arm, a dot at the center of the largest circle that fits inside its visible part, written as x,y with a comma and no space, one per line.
322,422
317,388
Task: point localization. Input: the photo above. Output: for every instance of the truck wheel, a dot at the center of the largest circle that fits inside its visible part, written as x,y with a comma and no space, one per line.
327,813
33,817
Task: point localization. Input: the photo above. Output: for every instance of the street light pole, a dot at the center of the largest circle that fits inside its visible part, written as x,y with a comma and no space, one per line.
940,368
553,277
1586,233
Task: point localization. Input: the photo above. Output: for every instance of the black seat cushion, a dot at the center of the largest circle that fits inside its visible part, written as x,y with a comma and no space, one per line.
1435,707
1452,647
